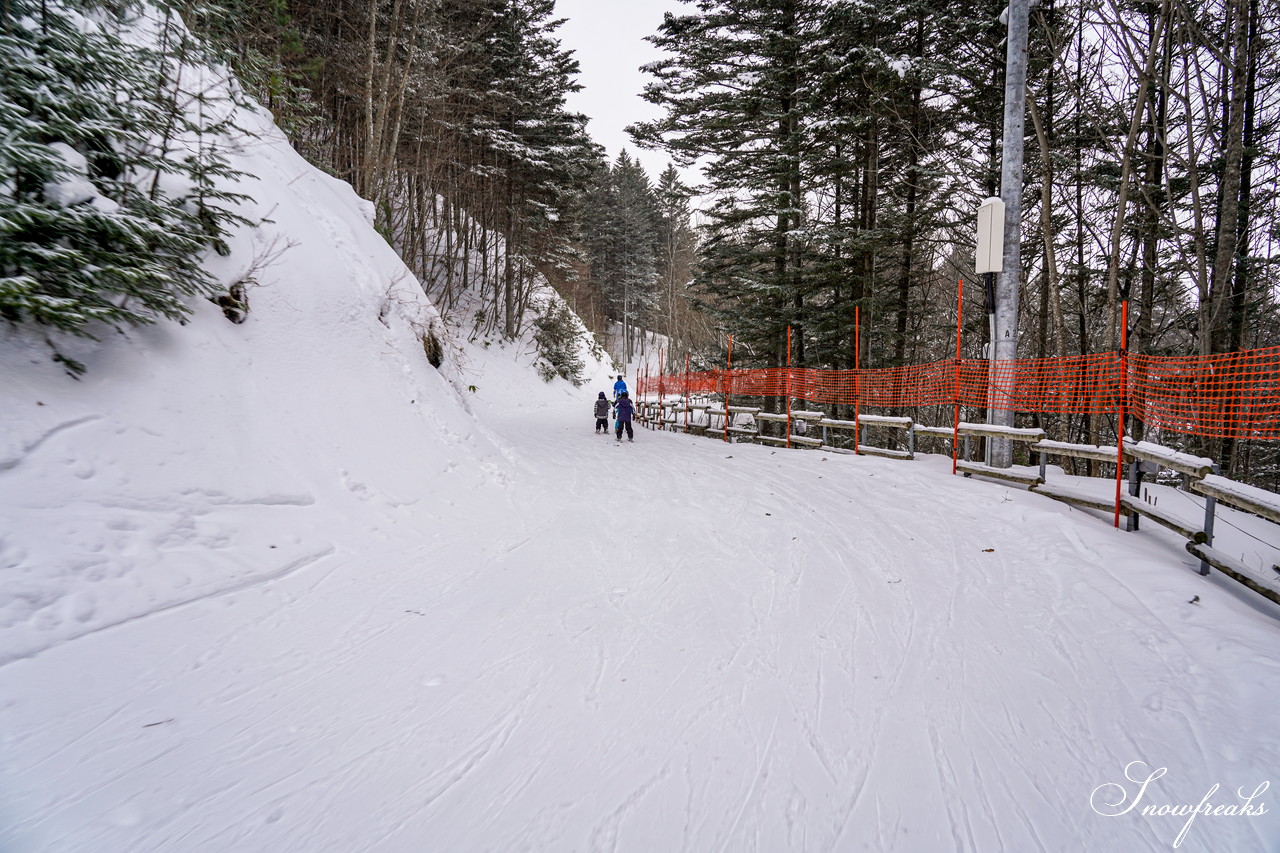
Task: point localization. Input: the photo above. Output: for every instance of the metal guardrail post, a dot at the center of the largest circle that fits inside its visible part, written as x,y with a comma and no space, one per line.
1135,490
1210,506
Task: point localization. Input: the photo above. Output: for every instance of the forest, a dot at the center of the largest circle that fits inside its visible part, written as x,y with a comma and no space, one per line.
843,148
849,145
451,117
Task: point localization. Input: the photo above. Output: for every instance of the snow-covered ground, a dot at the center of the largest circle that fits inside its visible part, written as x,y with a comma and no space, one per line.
193,460
284,586
674,644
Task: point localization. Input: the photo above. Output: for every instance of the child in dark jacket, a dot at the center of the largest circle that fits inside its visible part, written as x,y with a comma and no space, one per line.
625,410
602,413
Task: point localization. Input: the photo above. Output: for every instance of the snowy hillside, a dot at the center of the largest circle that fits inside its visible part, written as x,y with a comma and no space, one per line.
286,586
195,460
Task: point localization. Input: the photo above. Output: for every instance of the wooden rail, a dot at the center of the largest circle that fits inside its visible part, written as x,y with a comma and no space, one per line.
1248,498
1142,457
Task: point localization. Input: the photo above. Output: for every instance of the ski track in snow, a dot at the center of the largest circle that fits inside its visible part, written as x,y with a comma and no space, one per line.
14,457
654,646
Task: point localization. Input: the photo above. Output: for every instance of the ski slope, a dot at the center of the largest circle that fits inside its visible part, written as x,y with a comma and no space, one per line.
285,586
671,645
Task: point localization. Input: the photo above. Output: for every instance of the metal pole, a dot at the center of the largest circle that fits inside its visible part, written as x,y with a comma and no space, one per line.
1009,280
1135,491
989,298
1210,506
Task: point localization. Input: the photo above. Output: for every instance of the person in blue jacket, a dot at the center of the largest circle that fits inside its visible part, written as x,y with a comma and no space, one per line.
619,388
625,409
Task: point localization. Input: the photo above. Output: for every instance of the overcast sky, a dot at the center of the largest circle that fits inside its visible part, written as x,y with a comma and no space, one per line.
607,37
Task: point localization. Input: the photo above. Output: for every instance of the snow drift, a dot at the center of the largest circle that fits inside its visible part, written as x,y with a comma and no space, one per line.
195,460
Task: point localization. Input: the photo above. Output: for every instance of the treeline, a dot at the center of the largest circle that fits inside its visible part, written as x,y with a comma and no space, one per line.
638,250
451,118
847,145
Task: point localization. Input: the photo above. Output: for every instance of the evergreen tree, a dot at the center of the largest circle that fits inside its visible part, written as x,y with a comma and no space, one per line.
261,40
622,239
733,92
827,153
879,167
89,233
543,148
677,247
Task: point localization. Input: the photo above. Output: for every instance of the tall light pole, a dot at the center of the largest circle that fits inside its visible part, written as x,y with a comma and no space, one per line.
1009,279
989,261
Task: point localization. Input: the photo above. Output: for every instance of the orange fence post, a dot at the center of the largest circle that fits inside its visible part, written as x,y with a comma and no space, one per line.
662,369
648,388
788,386
727,370
686,392
955,386
1124,394
857,377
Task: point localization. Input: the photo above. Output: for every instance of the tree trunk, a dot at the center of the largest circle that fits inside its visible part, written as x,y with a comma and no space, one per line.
1217,338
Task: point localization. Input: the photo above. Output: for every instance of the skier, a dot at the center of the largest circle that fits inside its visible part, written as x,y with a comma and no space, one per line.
619,389
625,410
602,413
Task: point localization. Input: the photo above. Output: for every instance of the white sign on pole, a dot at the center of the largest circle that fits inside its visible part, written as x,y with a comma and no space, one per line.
990,236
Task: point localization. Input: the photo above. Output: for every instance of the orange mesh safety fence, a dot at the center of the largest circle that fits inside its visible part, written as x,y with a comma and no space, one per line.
1086,384
1230,395
1233,395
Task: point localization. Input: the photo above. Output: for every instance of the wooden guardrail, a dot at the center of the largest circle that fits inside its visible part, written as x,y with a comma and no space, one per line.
1199,473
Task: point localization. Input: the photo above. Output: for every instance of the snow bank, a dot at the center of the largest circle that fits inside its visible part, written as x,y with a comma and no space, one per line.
74,187
193,461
